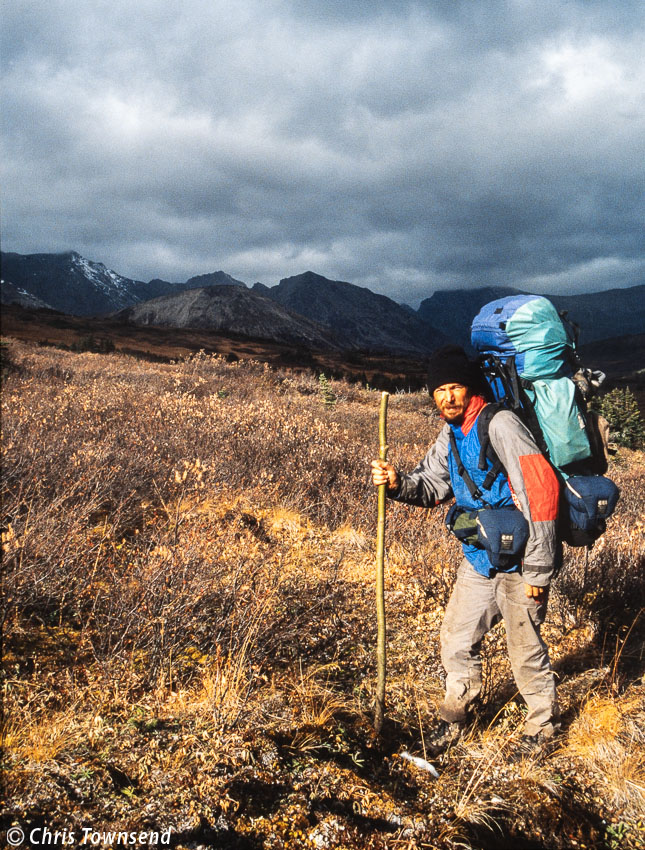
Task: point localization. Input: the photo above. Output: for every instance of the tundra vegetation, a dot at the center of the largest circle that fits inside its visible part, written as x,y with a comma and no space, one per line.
189,624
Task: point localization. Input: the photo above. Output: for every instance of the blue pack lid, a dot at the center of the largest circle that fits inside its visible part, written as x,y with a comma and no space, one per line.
488,331
529,327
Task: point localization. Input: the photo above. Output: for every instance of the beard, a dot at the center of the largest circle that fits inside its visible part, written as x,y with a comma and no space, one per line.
453,416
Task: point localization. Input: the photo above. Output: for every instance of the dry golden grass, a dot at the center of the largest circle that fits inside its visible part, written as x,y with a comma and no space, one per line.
608,738
39,738
189,623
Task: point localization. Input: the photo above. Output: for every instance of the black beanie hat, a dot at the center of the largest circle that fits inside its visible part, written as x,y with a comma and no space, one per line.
450,365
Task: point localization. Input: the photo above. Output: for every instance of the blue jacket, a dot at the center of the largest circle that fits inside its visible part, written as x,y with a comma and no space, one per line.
497,496
529,483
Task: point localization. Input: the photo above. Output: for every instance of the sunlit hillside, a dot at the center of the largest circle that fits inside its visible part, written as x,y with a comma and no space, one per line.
189,624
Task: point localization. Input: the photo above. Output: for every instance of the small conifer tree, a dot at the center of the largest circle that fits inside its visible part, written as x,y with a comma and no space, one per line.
620,409
327,394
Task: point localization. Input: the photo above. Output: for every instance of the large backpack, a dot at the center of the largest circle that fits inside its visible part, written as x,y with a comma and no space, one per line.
528,355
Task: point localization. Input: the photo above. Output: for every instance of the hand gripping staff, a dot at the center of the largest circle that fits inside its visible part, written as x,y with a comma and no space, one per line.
379,710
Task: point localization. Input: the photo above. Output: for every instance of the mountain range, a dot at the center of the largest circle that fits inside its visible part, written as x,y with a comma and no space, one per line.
71,284
231,309
307,309
358,317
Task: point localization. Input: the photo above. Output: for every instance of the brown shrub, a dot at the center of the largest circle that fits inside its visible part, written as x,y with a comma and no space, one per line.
106,463
101,454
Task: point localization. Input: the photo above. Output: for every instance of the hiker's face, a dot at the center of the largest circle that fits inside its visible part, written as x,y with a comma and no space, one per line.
452,401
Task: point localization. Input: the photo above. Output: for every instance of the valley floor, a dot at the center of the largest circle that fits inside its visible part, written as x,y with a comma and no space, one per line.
189,626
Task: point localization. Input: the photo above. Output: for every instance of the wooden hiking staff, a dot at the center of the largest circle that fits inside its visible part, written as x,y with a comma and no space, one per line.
379,710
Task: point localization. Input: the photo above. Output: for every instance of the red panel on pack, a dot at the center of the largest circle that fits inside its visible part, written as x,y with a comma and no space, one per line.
542,487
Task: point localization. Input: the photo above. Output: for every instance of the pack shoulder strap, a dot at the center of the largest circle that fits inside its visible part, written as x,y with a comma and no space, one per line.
515,396
486,453
473,489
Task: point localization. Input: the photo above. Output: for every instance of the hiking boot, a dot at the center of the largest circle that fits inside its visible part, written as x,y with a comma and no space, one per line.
442,736
530,746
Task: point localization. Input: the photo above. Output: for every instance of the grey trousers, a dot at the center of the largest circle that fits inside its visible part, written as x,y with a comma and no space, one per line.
476,604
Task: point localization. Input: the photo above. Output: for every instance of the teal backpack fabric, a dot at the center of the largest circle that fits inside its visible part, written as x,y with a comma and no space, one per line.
527,353
529,357
563,425
537,333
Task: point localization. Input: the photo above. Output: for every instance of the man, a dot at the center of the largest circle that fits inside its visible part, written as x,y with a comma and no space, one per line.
515,590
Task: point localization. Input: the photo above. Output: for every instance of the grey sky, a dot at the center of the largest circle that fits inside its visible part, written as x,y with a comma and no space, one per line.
402,146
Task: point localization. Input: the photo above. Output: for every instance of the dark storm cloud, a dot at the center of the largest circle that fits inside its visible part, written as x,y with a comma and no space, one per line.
403,146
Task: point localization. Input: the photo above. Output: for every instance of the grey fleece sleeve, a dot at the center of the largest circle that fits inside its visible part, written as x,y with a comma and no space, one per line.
429,483
535,491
